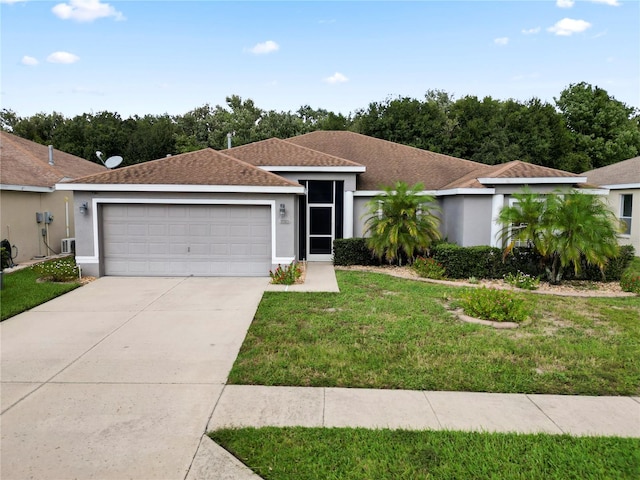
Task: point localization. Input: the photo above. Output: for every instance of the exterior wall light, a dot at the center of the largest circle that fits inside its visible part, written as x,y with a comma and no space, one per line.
283,212
84,208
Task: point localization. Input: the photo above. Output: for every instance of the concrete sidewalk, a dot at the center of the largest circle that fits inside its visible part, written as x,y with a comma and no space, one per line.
319,277
258,406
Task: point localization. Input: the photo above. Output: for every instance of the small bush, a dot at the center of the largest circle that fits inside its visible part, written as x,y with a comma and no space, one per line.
429,268
465,262
522,280
286,275
493,304
62,270
630,281
353,251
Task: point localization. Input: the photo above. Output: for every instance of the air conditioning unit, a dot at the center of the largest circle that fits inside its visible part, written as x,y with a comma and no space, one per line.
68,245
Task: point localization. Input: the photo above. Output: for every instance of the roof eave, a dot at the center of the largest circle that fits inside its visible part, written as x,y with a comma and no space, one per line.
27,188
92,187
531,180
314,169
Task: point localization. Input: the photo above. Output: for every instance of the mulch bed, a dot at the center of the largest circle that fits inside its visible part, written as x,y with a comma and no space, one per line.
573,288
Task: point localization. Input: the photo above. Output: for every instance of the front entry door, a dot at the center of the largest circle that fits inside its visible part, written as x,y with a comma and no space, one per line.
320,219
320,232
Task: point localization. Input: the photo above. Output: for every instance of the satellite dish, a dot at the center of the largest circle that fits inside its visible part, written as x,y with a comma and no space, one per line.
113,162
99,155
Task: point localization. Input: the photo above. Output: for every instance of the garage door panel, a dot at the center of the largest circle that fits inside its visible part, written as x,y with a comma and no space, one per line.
181,240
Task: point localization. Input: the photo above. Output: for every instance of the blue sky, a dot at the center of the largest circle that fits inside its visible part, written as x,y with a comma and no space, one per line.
155,57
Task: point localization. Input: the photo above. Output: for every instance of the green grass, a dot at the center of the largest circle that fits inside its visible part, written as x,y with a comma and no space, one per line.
385,332
21,292
315,453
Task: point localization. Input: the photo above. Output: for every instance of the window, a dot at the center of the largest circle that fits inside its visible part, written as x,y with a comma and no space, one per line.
626,205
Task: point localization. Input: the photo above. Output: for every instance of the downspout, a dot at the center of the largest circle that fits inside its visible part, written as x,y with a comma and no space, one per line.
66,214
497,202
348,215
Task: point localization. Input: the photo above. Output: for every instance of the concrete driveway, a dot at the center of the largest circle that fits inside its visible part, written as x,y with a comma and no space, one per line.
119,378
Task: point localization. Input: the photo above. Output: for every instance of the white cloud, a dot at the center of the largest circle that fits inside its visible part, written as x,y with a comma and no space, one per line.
336,78
565,3
501,41
85,11
62,57
569,26
264,48
613,3
30,61
531,31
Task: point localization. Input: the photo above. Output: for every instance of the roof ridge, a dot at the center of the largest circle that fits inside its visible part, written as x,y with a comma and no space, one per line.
355,164
254,167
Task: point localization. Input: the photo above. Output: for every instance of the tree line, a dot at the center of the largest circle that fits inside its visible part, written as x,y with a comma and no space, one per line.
583,128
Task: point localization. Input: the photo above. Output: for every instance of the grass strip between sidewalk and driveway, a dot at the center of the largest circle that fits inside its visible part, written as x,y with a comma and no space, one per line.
343,453
391,333
22,292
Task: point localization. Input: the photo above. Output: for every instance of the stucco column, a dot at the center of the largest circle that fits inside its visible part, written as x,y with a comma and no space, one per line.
497,202
347,225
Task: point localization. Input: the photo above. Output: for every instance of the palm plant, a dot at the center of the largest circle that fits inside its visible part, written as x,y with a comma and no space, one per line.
400,221
564,228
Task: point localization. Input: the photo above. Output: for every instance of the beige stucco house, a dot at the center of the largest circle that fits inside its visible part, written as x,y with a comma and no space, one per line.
623,181
34,217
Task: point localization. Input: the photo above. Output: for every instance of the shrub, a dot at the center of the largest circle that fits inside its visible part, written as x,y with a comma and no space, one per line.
286,275
630,281
465,262
353,251
522,280
493,304
429,268
61,270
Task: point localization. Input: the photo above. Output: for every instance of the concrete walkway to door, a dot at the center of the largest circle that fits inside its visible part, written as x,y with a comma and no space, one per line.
119,378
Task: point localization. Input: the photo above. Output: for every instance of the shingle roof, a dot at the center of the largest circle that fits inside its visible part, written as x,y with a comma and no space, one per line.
26,163
388,162
203,167
515,169
276,152
625,172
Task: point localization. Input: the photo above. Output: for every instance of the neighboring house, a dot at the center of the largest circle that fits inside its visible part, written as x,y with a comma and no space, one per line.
623,181
34,216
244,210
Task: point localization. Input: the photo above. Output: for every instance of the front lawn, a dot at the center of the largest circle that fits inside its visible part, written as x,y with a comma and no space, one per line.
385,332
22,291
342,453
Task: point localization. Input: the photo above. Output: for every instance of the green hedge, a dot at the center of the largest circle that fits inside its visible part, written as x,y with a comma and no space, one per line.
466,262
352,251
483,261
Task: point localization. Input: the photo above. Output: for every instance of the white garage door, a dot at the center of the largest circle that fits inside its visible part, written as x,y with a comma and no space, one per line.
182,240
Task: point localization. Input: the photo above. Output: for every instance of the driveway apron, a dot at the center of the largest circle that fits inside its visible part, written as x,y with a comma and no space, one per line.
118,379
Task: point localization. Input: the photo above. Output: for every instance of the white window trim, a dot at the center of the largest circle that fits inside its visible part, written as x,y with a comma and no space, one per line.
621,212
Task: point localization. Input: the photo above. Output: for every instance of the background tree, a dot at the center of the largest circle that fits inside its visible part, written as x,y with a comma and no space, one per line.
400,222
603,128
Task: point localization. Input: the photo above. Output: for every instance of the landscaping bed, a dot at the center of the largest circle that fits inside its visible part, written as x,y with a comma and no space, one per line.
572,288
